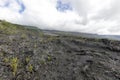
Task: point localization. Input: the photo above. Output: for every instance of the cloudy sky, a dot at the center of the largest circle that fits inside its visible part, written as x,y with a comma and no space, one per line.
90,16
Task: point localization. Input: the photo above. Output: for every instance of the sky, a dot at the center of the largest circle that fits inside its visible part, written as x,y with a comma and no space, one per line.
88,16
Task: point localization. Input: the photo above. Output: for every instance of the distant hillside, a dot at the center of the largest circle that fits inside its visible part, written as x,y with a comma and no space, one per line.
28,53
8,28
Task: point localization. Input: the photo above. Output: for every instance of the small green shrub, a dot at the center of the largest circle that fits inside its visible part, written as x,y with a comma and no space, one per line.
49,58
30,68
42,62
14,65
6,60
27,60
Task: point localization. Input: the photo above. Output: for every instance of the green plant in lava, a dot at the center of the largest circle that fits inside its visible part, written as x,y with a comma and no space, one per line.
14,65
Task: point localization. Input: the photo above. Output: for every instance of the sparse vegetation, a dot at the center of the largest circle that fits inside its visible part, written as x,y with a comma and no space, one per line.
14,65
6,60
25,54
1,54
30,68
49,58
42,62
7,28
27,59
23,36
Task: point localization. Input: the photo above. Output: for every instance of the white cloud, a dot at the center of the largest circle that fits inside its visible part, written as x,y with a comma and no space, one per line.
90,16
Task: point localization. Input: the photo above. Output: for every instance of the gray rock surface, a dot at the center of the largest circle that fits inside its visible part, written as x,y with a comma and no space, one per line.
25,55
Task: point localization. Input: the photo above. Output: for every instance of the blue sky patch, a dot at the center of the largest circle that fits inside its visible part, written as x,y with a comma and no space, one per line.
62,7
19,2
22,9
5,4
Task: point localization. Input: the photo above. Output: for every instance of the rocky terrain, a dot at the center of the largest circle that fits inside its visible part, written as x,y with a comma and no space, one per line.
33,54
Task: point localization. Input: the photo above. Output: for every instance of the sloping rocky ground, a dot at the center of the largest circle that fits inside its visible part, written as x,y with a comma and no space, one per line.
30,54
